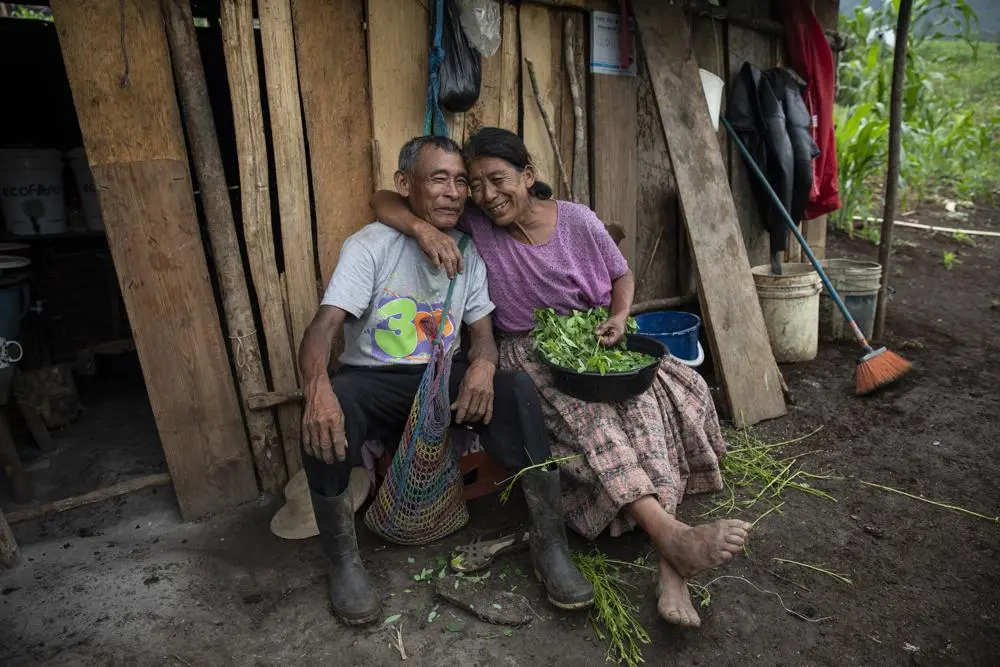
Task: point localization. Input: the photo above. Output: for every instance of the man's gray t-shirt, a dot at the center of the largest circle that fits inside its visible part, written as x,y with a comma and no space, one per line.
396,295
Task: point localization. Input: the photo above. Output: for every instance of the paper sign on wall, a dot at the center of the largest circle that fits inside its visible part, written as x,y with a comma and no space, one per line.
605,44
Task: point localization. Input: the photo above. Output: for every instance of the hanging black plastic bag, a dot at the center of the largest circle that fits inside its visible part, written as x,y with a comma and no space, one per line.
461,72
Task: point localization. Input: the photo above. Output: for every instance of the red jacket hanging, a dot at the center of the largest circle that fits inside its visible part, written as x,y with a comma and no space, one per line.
812,58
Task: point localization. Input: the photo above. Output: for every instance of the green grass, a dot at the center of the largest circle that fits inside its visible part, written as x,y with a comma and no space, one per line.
951,115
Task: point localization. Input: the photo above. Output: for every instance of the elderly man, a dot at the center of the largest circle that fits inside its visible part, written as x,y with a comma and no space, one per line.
386,298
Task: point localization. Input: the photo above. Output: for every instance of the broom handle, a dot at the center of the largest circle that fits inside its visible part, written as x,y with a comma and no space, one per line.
798,235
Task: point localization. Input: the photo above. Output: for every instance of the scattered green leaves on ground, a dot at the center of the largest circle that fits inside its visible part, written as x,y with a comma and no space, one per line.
753,472
844,579
569,341
613,616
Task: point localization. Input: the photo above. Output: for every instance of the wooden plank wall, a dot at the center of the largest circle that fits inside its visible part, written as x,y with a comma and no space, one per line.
140,168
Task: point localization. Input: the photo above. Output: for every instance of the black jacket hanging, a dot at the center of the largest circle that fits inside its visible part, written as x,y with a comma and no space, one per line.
768,113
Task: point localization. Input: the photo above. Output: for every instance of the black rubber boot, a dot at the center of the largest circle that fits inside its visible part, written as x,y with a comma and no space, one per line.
353,597
566,587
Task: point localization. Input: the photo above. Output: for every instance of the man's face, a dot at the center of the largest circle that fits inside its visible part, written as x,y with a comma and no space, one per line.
437,187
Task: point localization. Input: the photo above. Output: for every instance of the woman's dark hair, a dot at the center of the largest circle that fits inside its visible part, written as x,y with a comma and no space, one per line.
507,146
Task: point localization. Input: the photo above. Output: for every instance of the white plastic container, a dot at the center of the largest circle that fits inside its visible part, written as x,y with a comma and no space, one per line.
77,160
31,191
790,303
713,87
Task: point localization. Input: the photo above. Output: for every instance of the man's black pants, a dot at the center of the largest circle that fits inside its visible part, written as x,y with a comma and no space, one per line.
377,401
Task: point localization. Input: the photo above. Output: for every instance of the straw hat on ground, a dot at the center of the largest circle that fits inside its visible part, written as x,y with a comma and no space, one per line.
296,521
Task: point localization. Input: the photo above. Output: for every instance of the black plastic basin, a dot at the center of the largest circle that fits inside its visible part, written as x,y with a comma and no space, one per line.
611,387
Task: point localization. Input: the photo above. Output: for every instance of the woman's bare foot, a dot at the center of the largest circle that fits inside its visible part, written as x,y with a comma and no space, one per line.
694,549
674,602
688,549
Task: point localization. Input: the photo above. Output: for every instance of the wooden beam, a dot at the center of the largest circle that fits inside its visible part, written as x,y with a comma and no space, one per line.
291,174
397,68
132,133
239,46
189,72
89,498
735,324
333,77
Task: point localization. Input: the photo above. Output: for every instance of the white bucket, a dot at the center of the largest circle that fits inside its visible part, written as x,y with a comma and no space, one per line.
713,87
790,303
858,284
31,191
77,160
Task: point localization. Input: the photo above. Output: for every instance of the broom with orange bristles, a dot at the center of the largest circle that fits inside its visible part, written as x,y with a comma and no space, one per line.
878,367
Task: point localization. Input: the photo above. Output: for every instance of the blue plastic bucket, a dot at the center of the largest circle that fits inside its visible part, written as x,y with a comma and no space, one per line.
677,330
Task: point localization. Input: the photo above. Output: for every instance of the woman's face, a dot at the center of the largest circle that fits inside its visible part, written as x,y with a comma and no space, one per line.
499,189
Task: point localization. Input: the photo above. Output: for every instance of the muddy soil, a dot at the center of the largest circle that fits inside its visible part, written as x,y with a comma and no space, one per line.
129,584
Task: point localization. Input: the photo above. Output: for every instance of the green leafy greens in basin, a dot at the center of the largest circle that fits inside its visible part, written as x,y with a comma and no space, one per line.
569,341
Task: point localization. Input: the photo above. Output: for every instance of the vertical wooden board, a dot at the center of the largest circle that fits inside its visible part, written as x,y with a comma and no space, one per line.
100,41
499,95
135,144
614,155
657,215
239,46
739,343
333,79
562,120
397,70
291,173
748,45
153,234
510,70
539,44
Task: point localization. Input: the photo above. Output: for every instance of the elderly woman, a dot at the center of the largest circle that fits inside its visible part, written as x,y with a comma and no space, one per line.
639,456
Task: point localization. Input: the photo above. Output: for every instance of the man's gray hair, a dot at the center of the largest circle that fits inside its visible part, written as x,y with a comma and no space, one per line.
409,154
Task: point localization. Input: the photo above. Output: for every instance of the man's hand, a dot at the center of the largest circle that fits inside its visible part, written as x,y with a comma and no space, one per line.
440,248
323,424
475,396
610,331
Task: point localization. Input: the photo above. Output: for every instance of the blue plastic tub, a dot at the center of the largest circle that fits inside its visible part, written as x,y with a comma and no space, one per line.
677,330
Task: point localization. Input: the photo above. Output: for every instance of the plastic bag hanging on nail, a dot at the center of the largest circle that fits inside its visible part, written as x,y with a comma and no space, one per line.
481,21
460,73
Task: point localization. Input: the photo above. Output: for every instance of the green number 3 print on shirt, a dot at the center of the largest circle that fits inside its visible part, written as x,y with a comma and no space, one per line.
401,342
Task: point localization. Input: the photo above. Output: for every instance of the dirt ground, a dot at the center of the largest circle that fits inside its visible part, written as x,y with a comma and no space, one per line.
128,584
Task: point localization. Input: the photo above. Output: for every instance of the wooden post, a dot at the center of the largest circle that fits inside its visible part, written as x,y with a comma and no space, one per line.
239,45
281,76
735,323
333,76
892,175
119,71
203,141
10,555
